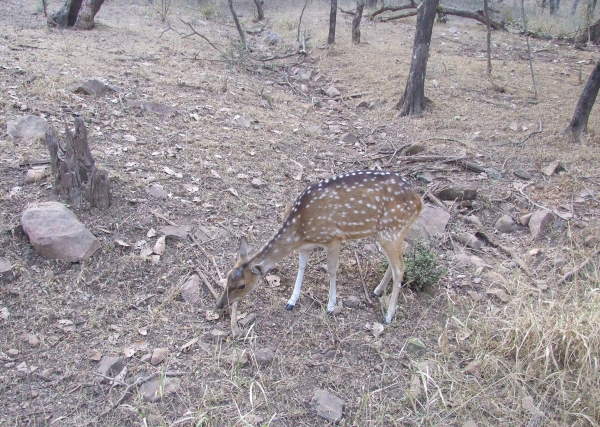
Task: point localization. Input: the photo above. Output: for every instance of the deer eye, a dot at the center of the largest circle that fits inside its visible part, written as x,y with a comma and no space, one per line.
241,287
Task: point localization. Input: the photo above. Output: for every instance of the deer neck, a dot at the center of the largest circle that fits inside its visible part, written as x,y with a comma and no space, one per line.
284,242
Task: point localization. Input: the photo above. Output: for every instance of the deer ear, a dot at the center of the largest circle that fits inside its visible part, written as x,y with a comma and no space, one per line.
243,250
258,270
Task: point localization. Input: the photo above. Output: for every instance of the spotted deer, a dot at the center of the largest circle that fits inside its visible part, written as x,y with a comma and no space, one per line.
351,206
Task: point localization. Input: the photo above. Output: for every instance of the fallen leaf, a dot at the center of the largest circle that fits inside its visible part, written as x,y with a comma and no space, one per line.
151,233
233,191
215,174
4,313
377,329
123,243
551,168
499,293
273,280
94,354
129,138
140,345
186,347
211,315
143,331
129,351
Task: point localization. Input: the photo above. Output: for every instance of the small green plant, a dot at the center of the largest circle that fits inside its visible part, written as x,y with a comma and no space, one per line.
422,267
208,12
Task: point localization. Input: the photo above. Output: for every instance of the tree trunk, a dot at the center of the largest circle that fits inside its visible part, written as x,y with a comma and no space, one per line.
332,18
360,5
554,5
574,8
237,24
87,13
371,3
259,8
413,100
587,99
79,14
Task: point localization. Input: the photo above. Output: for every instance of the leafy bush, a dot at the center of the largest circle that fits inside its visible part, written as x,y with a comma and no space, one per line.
422,267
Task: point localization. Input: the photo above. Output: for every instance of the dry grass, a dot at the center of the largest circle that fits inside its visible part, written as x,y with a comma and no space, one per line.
537,351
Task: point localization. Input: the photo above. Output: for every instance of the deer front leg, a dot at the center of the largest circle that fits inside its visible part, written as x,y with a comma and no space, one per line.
235,329
303,256
333,257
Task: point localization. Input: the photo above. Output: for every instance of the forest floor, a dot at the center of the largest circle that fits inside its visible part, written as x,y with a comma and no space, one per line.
491,344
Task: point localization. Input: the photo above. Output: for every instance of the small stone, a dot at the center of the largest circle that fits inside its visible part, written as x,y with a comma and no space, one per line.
6,272
46,374
559,262
12,352
352,302
540,223
430,224
590,241
92,87
159,387
29,128
473,368
238,357
470,423
158,355
247,320
110,367
264,356
157,191
426,177
332,92
469,240
175,232
32,340
190,290
523,174
500,294
414,149
335,129
457,193
524,220
257,183
349,138
327,406
36,174
505,224
496,277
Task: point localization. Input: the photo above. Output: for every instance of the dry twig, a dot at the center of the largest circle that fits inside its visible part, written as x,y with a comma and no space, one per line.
578,268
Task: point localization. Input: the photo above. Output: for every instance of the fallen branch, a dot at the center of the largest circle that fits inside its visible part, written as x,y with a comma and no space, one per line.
362,279
506,250
138,383
402,15
393,8
477,15
578,268
194,32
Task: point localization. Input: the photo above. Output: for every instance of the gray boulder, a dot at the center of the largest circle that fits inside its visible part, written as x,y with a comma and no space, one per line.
55,232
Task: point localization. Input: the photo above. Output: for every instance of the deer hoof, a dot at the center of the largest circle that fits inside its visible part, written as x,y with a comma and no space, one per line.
289,307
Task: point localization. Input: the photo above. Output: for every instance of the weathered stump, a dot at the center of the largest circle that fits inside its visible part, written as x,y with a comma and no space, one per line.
74,168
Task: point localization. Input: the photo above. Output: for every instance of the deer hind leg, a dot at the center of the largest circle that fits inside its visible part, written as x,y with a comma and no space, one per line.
302,261
333,257
380,289
395,254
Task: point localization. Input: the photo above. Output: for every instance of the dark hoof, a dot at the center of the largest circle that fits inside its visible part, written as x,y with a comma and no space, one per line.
289,307
384,322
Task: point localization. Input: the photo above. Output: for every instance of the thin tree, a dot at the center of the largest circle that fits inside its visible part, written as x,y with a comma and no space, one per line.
237,24
578,125
332,19
535,94
360,5
489,37
300,20
259,9
413,100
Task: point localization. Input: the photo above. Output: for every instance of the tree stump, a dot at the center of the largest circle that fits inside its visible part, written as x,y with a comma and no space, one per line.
360,5
75,170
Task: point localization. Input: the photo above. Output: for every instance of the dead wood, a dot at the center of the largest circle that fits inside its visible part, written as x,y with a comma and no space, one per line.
578,268
74,168
478,15
383,9
400,16
138,383
237,24
504,249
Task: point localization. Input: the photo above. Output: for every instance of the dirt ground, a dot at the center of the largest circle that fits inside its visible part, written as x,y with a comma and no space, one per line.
237,119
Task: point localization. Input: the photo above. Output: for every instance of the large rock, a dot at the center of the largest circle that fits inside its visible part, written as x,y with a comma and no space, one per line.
327,406
505,224
55,232
431,223
6,271
159,387
28,128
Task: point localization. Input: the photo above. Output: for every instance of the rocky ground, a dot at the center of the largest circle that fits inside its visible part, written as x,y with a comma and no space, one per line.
203,145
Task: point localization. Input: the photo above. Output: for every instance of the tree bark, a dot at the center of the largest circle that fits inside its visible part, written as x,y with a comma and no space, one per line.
259,9
478,16
87,13
591,34
237,24
578,124
554,5
79,14
413,100
332,19
360,5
